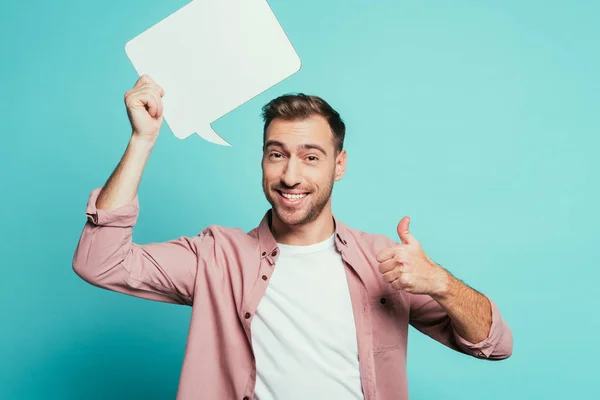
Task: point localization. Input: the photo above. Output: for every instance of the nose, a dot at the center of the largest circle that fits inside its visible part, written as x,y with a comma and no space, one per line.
291,173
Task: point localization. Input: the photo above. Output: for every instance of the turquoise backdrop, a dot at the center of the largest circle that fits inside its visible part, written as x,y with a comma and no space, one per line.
478,119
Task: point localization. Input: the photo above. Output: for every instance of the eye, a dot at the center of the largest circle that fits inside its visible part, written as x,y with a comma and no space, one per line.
275,155
312,158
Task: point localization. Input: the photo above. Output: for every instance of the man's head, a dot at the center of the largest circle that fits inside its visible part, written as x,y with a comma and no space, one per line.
303,155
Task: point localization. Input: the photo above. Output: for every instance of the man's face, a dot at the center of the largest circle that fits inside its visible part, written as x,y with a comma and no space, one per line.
299,168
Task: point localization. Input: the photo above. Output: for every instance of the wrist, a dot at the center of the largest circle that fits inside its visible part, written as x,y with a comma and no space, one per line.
140,142
444,284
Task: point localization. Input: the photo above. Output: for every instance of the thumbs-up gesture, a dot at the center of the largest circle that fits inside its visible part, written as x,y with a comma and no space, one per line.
407,267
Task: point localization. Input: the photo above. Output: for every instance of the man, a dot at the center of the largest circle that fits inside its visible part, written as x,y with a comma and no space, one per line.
301,307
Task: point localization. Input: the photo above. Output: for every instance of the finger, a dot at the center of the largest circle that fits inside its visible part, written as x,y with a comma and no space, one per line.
144,79
149,86
400,249
387,265
137,91
403,282
157,103
155,91
160,110
385,254
152,105
397,284
160,103
392,275
403,231
148,100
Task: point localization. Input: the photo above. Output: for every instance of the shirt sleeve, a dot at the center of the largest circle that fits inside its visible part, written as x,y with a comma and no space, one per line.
430,318
106,257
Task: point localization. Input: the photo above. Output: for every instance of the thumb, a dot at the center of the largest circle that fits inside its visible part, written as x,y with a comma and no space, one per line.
403,231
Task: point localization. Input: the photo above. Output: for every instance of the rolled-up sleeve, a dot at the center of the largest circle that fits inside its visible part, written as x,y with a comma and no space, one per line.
498,344
106,257
122,217
430,318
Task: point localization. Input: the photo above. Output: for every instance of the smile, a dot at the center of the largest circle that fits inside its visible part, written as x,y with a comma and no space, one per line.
292,198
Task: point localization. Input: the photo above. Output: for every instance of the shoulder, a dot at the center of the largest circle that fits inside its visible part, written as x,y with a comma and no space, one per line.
228,237
367,242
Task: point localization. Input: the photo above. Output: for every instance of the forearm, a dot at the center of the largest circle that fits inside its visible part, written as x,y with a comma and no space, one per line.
469,310
123,184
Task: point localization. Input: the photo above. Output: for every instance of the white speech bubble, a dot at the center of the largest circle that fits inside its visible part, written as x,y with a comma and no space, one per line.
210,57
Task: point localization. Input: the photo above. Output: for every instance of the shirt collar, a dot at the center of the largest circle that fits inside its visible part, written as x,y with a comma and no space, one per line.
268,244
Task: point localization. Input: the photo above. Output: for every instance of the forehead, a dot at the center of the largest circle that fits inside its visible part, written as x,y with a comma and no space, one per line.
314,129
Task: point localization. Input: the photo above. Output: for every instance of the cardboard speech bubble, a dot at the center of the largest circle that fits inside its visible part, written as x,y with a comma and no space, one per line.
210,57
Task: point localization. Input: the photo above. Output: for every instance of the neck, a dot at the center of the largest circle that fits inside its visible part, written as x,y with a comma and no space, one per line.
306,234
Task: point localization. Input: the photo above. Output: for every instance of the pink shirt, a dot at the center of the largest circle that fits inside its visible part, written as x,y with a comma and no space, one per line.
224,272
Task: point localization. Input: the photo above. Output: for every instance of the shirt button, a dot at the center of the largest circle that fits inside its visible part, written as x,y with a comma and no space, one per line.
382,300
247,315
246,398
274,253
264,277
264,253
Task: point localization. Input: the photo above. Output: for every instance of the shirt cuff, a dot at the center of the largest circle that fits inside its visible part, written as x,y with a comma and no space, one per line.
486,346
124,216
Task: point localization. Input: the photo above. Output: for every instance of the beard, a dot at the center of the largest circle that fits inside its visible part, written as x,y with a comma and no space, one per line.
313,205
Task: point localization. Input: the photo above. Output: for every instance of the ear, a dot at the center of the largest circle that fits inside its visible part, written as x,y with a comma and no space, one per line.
340,165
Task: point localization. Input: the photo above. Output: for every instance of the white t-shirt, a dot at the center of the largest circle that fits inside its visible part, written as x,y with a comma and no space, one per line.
303,331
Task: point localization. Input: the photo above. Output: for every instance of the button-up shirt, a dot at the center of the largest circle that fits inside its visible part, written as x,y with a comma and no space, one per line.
223,274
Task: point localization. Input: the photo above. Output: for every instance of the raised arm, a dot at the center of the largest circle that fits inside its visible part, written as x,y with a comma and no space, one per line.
144,109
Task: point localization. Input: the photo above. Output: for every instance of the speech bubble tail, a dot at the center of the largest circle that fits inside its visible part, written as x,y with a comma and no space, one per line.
210,135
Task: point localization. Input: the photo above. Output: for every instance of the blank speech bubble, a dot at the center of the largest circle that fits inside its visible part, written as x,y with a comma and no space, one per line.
210,57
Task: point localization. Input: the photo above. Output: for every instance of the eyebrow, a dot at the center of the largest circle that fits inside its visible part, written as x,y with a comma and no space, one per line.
306,146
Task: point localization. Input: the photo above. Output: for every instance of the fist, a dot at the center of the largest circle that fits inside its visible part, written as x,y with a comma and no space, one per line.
406,266
144,108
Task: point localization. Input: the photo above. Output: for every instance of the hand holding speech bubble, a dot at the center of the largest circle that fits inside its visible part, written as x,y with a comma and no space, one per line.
210,57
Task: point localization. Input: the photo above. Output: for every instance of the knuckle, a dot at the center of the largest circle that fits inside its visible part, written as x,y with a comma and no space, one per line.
402,280
407,282
399,258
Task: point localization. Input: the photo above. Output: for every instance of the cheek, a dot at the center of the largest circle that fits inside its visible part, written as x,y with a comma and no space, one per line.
315,174
323,177
270,172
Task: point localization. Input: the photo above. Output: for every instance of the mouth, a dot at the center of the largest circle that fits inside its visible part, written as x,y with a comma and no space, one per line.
291,199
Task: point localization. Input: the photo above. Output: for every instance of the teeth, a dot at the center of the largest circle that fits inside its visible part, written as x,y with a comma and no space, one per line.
293,196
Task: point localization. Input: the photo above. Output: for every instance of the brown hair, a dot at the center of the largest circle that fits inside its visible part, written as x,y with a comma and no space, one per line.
299,106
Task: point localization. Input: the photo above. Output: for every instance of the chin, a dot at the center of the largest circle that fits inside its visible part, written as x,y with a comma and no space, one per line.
296,217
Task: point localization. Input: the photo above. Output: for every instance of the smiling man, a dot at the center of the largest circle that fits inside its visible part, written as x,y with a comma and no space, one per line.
303,306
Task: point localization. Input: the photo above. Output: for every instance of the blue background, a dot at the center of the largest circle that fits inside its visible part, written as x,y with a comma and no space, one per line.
478,120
